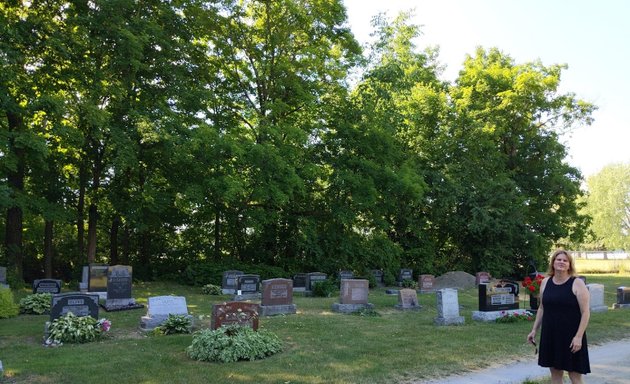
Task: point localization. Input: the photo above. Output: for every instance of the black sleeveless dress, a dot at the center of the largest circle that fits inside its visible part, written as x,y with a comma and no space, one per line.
561,319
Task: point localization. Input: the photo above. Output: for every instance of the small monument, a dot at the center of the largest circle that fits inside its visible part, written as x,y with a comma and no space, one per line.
448,308
314,278
299,282
482,278
277,297
247,288
119,283
98,279
346,275
495,300
597,297
623,298
379,277
80,304
85,279
426,283
236,312
404,274
229,283
159,307
47,286
353,296
408,300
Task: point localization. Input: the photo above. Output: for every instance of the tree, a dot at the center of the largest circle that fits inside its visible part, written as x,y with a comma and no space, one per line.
608,203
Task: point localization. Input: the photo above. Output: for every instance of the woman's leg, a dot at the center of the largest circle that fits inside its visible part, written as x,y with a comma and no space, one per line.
576,377
556,375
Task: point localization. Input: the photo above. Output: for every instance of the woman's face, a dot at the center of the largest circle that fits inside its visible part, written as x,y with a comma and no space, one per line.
561,263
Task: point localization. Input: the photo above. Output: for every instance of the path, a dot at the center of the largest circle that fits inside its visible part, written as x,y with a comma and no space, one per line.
610,364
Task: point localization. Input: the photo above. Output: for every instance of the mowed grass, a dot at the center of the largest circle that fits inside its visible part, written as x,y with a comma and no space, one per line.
320,346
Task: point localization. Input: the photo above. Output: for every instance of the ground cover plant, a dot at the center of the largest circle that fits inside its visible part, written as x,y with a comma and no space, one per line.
319,346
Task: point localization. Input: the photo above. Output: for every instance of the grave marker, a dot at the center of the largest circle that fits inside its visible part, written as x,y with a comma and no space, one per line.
247,288
80,304
448,308
408,300
277,297
236,312
47,286
230,281
482,278
299,282
404,274
426,283
353,296
623,298
378,276
346,275
597,297
119,282
314,278
98,279
159,307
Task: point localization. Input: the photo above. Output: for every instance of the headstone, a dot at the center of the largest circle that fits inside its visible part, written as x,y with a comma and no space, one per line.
247,288
3,275
85,278
346,275
623,298
448,308
119,281
378,276
229,283
498,297
481,278
277,297
47,286
597,297
98,280
235,312
159,307
353,296
299,282
314,278
408,300
80,304
404,274
426,283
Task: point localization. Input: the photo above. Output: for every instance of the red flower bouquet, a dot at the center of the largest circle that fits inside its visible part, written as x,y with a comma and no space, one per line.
533,285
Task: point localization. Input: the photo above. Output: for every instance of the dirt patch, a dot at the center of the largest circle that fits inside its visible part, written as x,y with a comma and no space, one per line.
456,279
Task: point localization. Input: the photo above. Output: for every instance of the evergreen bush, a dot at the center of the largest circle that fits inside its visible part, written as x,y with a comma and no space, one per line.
8,308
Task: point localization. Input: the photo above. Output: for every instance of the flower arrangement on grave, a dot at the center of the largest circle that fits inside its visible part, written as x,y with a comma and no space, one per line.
513,317
533,285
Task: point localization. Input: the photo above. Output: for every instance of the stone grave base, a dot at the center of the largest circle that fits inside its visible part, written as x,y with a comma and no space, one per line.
83,287
599,308
148,324
246,296
621,306
228,291
112,305
299,289
391,291
101,295
455,320
491,316
349,308
271,310
426,291
412,308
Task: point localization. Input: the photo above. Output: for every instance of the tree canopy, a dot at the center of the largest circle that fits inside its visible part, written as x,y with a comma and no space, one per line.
167,135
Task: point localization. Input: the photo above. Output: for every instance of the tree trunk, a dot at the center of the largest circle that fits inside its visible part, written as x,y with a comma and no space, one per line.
92,220
217,233
48,248
81,213
113,240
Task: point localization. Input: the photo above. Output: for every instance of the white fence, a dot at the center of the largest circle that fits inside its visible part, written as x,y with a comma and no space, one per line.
600,255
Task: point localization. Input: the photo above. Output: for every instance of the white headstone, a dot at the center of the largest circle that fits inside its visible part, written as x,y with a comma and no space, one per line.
160,307
597,303
448,307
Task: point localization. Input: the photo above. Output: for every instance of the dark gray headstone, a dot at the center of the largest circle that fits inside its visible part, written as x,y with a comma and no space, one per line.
346,275
405,274
229,284
119,282
299,281
623,295
98,278
497,297
47,286
378,276
80,304
248,284
313,278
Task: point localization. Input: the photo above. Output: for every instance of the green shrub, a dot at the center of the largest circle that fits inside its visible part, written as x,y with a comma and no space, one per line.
324,288
8,308
409,284
389,279
367,312
233,343
70,328
36,304
175,324
211,289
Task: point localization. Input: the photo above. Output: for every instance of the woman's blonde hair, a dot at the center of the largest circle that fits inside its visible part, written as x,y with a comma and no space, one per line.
558,252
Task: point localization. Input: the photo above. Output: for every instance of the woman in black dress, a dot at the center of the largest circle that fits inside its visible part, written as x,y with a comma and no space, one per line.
564,314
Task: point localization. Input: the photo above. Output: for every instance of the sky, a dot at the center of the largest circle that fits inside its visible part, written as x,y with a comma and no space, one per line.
591,37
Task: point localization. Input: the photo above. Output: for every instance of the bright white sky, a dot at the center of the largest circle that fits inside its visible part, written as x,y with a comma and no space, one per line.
591,36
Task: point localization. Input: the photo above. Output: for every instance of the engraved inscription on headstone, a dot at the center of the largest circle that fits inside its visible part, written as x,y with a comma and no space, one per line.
314,278
235,312
159,307
498,297
408,299
119,282
277,297
78,303
230,281
405,274
47,286
248,284
426,283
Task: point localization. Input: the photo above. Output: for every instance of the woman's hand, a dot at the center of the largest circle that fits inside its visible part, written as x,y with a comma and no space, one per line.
576,344
531,337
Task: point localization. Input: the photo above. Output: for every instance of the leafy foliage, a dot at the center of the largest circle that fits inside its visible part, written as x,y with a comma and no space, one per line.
324,288
211,289
70,328
8,308
233,343
36,304
175,324
408,283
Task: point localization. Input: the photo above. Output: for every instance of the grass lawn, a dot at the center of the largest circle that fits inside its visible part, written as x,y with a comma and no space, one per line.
320,346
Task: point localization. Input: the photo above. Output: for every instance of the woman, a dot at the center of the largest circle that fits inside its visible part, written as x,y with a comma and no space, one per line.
564,314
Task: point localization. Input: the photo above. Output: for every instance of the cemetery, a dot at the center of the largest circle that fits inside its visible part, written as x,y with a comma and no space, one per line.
295,324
